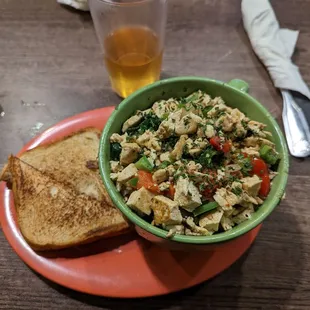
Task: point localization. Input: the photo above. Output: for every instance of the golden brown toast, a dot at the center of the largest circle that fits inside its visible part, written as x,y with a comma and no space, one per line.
66,161
52,215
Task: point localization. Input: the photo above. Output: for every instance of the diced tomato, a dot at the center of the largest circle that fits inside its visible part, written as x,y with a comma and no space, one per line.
212,185
259,167
145,180
170,192
226,146
265,186
217,143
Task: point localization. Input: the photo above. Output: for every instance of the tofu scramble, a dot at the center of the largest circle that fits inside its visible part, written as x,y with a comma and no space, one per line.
193,166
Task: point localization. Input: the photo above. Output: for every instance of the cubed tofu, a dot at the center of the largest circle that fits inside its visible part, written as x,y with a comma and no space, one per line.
129,153
251,151
177,152
187,195
193,166
163,107
226,200
211,220
256,127
243,216
132,121
218,107
226,223
236,115
166,211
141,201
196,147
149,140
128,173
251,185
160,175
240,131
246,199
188,124
115,166
115,137
209,131
257,141
225,121
164,156
201,231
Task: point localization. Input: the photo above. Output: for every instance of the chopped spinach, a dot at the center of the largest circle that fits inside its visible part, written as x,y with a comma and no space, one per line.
209,157
169,143
246,166
115,151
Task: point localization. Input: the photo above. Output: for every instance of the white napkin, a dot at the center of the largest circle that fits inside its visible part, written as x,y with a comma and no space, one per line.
77,4
273,45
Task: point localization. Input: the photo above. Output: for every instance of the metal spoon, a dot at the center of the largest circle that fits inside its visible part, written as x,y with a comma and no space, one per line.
295,126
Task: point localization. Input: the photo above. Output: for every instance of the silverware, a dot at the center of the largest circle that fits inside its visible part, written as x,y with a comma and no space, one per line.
295,126
1,111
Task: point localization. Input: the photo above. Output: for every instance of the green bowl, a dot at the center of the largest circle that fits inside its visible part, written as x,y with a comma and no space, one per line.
234,95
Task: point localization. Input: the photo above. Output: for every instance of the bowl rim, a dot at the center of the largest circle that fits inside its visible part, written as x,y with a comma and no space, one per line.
161,233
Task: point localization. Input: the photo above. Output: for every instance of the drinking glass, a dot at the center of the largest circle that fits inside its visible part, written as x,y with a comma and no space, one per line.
131,34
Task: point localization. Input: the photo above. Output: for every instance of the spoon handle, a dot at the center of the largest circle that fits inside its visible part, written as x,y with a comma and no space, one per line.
295,126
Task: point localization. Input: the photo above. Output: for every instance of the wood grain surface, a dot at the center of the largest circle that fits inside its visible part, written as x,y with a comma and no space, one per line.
51,67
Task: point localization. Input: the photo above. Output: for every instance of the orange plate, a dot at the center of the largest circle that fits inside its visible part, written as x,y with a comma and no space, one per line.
124,266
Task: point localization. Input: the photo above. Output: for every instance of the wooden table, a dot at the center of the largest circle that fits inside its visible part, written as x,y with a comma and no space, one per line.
51,68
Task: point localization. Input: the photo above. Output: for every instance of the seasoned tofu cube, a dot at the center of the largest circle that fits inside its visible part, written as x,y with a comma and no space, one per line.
141,201
256,127
132,121
188,124
166,211
226,223
243,216
149,140
254,141
240,131
187,195
177,152
115,166
164,156
211,220
196,147
236,115
160,175
251,151
201,231
251,185
225,121
218,107
129,153
115,137
226,200
167,127
128,173
209,131
163,107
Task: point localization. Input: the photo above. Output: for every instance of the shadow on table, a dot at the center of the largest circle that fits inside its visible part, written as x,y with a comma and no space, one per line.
225,289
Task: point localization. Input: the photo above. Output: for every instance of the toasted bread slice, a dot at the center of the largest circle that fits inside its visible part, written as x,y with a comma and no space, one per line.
66,160
52,215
